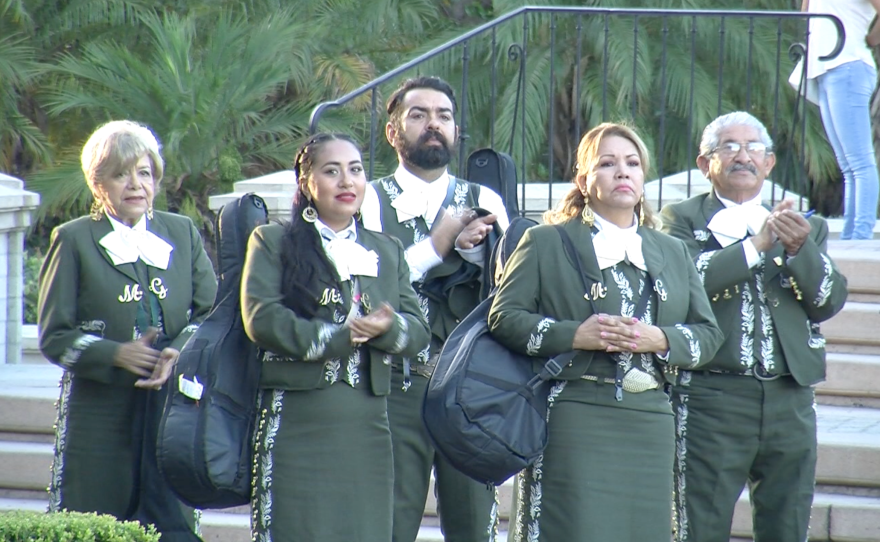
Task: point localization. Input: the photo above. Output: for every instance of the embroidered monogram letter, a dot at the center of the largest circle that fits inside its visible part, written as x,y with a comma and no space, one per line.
158,288
131,293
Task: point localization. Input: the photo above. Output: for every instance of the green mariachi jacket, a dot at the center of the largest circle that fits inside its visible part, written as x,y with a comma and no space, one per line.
452,288
299,347
800,292
540,300
86,309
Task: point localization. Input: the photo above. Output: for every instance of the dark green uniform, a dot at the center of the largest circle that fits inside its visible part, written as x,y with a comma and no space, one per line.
748,416
324,468
106,431
468,510
605,474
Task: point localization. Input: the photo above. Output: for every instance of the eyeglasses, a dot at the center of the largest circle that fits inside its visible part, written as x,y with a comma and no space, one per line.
732,148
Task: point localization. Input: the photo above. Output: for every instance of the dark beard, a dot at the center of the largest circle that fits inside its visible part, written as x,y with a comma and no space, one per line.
423,156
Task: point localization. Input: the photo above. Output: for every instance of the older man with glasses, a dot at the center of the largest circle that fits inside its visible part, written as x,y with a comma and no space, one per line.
748,416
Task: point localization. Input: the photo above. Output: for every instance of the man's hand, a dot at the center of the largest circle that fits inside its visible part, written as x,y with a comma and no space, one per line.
791,228
765,238
446,230
474,233
139,357
374,324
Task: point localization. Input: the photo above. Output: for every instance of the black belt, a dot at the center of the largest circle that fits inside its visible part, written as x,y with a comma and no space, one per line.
758,372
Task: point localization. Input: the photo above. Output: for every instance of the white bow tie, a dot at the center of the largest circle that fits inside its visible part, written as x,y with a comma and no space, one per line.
350,258
613,247
126,246
410,204
731,224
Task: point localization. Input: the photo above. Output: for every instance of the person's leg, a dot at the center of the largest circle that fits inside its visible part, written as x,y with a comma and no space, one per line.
848,90
782,479
831,129
468,509
717,437
413,456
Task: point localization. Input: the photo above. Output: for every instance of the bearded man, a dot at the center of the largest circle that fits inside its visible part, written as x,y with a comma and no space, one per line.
430,212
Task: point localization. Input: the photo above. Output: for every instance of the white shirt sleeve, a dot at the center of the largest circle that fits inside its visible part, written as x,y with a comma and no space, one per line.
421,257
371,213
492,202
753,258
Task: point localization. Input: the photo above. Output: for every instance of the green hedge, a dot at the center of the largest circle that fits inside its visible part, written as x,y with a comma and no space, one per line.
32,262
21,526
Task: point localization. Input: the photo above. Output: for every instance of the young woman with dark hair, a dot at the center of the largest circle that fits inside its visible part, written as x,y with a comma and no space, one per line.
331,305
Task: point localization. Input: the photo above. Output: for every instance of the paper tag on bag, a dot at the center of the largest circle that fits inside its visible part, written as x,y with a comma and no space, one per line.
190,388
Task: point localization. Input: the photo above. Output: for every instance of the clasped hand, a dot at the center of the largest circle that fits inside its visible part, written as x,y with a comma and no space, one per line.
611,333
140,358
785,225
372,325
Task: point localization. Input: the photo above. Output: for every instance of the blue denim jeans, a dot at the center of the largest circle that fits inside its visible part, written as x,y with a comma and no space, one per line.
844,101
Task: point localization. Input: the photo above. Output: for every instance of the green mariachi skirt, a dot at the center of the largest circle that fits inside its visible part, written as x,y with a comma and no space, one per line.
606,475
323,467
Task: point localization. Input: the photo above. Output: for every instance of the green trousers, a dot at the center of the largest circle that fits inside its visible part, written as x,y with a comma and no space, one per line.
606,473
323,468
468,509
735,430
105,457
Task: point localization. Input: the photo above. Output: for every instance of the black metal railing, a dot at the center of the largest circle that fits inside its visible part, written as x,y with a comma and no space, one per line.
532,81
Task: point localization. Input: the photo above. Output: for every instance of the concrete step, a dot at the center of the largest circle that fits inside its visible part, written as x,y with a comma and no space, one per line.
854,329
859,261
836,518
849,455
851,380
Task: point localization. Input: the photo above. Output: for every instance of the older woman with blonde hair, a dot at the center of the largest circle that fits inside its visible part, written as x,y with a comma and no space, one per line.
121,290
633,308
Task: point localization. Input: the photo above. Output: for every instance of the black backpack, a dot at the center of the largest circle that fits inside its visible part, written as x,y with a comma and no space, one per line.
485,409
497,171
204,448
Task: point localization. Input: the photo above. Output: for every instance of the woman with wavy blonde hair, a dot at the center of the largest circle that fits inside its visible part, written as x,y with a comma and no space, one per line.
636,313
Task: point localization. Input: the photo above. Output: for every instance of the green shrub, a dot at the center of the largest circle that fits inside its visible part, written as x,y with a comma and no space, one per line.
32,263
21,526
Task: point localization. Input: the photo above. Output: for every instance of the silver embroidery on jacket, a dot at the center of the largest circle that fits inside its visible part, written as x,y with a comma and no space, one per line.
270,423
767,359
747,328
816,339
72,353
60,443
680,484
703,264
317,348
693,344
537,338
825,286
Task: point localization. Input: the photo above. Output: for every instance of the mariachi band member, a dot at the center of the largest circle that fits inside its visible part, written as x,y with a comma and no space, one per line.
331,304
607,471
121,290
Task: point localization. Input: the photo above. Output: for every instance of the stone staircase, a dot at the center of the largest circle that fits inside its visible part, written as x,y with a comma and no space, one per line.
847,503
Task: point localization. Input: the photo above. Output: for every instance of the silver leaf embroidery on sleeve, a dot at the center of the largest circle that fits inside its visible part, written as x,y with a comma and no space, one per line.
693,343
317,348
825,286
535,339
74,351
703,263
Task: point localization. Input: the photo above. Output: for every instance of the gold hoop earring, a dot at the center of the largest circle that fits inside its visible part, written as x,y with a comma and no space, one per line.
96,210
642,211
150,212
587,214
310,214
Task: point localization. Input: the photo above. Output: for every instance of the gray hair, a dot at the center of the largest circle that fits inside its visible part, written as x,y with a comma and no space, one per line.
118,145
713,131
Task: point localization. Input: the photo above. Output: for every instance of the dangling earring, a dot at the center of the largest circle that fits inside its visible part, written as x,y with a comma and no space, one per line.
96,210
150,212
642,211
310,214
587,214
